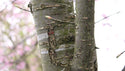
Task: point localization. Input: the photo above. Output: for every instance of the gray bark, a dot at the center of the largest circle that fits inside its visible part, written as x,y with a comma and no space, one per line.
123,69
55,32
84,52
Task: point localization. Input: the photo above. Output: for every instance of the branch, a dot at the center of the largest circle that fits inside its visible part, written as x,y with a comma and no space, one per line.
106,17
120,54
10,38
21,8
24,40
13,1
61,21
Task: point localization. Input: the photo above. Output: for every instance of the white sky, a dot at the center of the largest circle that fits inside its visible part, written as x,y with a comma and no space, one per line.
110,35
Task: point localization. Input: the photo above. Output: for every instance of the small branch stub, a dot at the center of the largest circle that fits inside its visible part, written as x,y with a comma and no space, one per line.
85,18
30,6
48,17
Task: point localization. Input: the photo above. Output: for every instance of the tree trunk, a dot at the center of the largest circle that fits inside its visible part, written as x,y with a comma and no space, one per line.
84,51
55,32
123,69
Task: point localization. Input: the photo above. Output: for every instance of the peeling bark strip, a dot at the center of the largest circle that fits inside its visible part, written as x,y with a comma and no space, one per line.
52,44
45,6
84,53
51,17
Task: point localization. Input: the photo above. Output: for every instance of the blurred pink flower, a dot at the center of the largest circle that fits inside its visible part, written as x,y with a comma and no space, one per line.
5,61
33,68
124,40
27,48
20,46
2,59
33,42
20,2
17,15
107,24
107,49
1,51
13,70
7,65
21,65
20,51
105,16
30,29
12,55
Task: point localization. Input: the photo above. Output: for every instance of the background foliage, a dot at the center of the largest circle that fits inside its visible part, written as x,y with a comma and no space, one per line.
18,44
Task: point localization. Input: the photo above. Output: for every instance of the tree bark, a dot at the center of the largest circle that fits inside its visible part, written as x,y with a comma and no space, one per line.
123,69
55,32
84,52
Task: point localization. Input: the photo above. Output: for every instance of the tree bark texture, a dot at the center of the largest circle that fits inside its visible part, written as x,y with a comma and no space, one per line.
84,51
55,32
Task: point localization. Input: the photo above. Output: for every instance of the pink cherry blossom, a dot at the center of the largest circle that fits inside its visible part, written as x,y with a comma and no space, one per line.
2,59
20,46
33,68
1,51
21,65
12,55
107,24
105,16
20,2
33,42
27,48
20,52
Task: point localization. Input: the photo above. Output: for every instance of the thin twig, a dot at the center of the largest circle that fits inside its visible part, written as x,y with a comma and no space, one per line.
21,8
120,54
24,40
107,17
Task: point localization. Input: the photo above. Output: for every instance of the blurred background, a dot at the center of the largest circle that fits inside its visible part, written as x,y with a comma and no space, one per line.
18,42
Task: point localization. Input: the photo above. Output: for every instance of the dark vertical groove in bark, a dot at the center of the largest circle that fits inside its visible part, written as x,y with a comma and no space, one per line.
84,52
61,13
